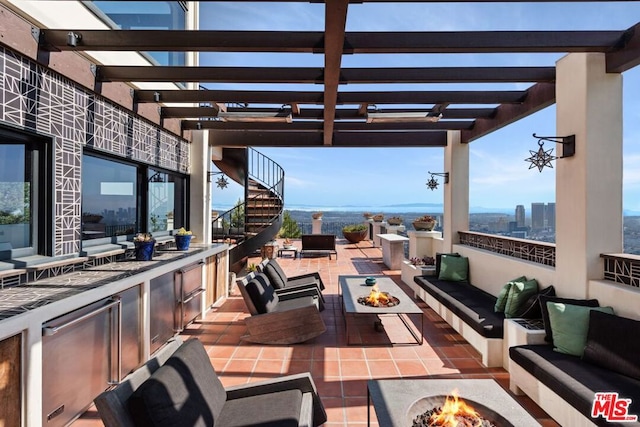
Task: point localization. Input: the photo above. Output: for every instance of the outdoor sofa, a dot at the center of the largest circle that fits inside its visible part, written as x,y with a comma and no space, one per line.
466,308
319,244
565,385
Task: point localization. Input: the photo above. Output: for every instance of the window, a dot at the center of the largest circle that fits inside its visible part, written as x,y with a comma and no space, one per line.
145,15
166,201
109,198
24,194
114,201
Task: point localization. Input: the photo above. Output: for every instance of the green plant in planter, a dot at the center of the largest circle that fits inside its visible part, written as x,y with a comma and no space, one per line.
355,233
144,246
183,239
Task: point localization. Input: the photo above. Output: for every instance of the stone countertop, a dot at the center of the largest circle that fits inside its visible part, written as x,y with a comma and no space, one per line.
21,298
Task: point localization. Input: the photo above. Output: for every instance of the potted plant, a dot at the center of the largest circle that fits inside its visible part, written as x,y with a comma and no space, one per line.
378,217
183,239
424,223
144,246
394,220
367,215
316,215
355,233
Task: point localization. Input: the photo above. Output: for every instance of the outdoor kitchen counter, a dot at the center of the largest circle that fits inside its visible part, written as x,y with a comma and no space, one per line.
25,308
22,299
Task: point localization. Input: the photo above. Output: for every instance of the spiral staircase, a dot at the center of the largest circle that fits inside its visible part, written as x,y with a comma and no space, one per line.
257,220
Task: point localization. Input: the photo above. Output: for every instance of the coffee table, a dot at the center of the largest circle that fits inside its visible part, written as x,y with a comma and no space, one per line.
398,402
352,287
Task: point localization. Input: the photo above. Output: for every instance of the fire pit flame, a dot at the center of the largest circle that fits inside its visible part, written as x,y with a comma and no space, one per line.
453,412
376,298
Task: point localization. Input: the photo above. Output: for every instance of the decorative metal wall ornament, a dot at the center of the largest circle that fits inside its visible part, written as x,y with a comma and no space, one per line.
221,182
542,157
432,183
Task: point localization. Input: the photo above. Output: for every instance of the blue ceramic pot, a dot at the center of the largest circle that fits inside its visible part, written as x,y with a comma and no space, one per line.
144,250
182,242
370,281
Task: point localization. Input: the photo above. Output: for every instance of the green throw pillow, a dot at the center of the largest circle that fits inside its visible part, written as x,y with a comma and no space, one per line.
569,326
501,302
454,268
518,295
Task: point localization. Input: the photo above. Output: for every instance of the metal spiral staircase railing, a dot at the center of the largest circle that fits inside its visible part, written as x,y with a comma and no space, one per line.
257,220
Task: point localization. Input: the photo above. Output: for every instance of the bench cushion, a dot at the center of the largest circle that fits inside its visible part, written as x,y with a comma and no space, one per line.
473,305
276,276
612,343
262,294
276,409
574,380
185,391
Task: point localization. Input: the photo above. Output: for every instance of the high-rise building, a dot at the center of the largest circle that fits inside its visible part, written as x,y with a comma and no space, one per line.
520,216
551,215
537,216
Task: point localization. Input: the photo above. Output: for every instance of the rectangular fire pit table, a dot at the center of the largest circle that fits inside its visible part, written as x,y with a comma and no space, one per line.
353,287
398,402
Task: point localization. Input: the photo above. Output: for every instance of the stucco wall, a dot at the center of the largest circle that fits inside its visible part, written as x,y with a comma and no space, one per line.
40,100
490,271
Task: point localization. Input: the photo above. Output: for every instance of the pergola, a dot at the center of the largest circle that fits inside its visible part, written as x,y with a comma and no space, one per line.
335,117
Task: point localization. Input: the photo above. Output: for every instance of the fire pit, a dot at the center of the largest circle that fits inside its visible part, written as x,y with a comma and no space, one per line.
451,411
378,299
398,403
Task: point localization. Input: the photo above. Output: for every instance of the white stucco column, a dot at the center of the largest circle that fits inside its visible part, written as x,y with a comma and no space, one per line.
589,184
456,192
200,188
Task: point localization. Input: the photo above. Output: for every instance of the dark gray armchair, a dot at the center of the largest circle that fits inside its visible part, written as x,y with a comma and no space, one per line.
280,318
179,388
281,282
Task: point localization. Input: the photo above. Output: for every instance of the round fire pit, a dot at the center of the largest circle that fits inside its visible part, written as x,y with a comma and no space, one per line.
384,301
419,412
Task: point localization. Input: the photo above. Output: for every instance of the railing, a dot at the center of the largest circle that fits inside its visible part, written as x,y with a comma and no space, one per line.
622,268
234,225
539,252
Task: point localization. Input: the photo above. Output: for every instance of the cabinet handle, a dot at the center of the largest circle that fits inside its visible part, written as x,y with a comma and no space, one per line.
52,330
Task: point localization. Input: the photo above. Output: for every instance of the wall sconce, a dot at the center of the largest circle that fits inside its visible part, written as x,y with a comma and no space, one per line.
221,182
542,157
433,183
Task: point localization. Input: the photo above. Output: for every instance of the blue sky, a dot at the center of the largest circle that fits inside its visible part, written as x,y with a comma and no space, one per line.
499,178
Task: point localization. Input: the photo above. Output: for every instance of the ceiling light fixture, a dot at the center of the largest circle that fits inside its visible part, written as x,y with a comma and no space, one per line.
282,116
432,183
399,117
543,158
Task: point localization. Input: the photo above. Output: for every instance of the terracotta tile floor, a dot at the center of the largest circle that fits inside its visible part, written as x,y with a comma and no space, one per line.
340,372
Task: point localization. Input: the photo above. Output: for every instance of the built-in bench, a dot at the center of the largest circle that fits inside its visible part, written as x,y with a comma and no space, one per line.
470,311
319,244
565,385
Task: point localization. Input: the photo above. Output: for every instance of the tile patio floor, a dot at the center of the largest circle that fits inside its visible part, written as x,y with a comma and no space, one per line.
340,372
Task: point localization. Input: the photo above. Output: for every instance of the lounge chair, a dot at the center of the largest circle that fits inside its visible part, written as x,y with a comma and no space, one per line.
281,282
288,318
179,387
